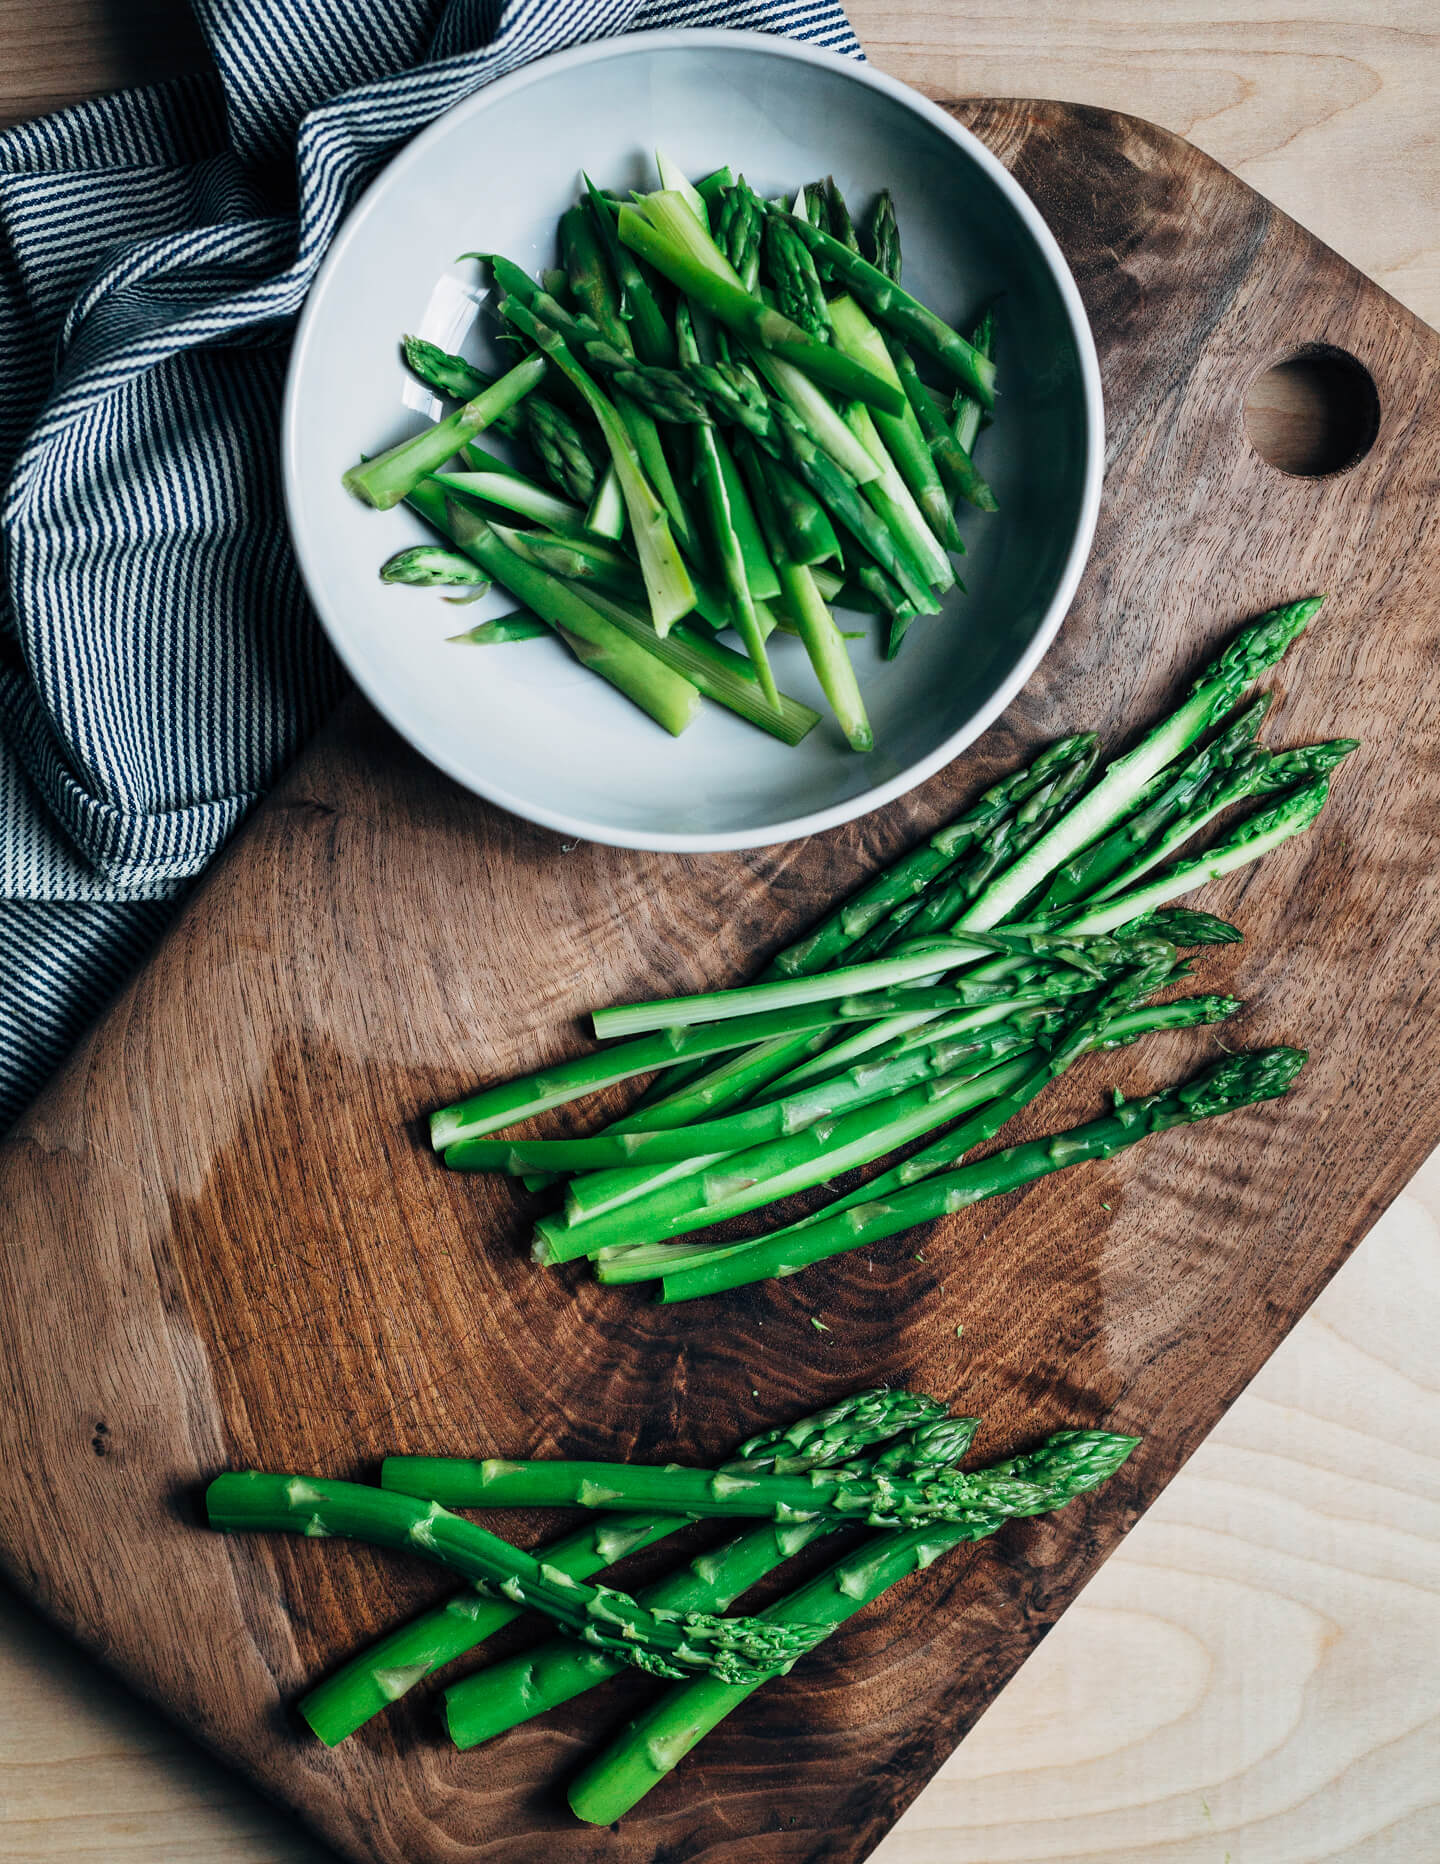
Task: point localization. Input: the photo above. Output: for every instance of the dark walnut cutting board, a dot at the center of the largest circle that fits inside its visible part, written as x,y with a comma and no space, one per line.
227,1243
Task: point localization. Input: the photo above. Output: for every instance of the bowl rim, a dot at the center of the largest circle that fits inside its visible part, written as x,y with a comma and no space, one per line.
864,802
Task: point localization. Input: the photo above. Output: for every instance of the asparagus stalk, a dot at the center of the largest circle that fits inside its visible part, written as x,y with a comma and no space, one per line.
1255,649
894,306
529,1684
662,1643
860,1086
904,880
924,958
392,476
687,256
745,1180
949,1151
806,534
1238,1081
874,1497
1009,1090
893,500
942,905
555,440
387,1669
1070,1464
606,516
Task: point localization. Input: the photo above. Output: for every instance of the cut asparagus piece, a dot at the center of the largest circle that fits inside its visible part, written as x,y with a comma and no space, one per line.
956,468
1070,1464
1239,1081
968,414
502,630
670,700
511,492
650,330
428,566
390,478
902,433
667,582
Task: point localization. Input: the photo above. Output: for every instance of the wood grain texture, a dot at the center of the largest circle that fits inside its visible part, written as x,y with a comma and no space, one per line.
256,1135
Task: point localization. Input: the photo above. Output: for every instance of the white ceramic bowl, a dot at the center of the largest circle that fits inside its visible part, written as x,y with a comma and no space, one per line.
525,725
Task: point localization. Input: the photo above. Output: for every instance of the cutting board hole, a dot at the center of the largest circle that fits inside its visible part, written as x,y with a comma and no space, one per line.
1314,414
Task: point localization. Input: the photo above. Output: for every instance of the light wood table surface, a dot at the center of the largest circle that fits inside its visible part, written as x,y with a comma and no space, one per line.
1255,1677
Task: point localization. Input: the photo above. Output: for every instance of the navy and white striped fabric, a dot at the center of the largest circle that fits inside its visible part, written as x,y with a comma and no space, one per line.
158,661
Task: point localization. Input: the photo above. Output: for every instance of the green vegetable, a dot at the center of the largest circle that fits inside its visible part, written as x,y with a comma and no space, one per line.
428,566
1071,1463
391,477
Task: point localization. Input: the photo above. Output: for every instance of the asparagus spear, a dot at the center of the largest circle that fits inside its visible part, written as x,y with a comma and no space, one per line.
837,216
671,1644
860,1086
926,958
511,491
968,415
524,1686
387,1669
743,1181
392,476
738,231
874,1497
885,236
948,1152
1256,648
667,581
1238,1081
670,700
658,231
804,526
1004,1092
798,291
1069,1464
894,306
560,447
942,904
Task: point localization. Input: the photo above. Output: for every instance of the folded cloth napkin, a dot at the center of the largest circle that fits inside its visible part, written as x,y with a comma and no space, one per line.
158,659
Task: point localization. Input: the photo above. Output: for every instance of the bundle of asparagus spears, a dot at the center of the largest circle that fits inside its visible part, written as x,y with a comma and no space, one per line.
726,399
885,1459
948,993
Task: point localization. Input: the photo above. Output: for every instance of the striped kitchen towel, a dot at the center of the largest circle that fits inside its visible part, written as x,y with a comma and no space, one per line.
158,659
